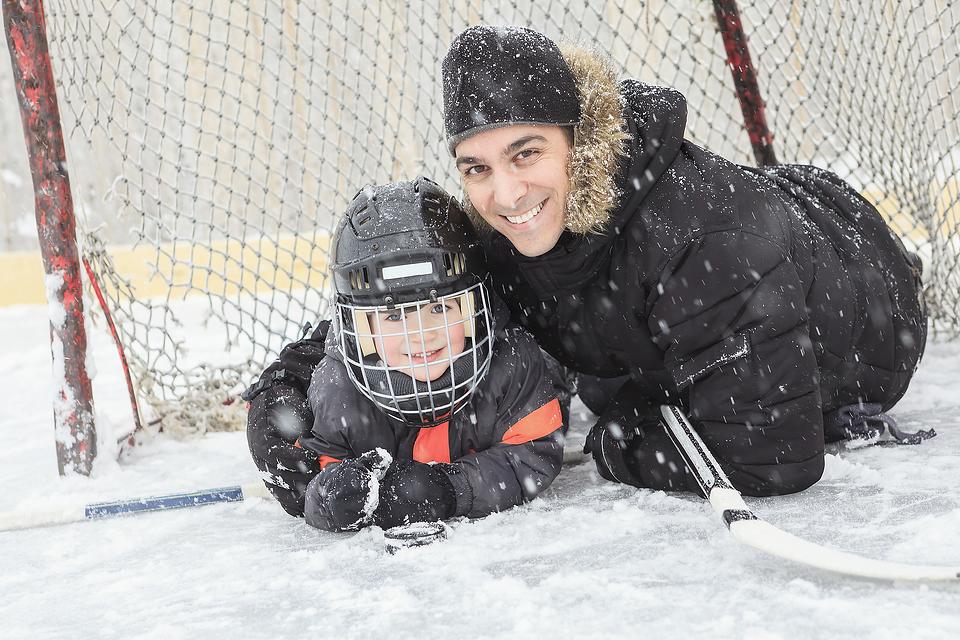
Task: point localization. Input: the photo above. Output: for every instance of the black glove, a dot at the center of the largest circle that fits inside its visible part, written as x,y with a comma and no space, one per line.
339,499
276,418
630,444
612,444
415,492
279,414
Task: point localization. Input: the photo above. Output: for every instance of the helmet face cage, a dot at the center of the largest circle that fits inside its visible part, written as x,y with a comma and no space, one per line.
419,362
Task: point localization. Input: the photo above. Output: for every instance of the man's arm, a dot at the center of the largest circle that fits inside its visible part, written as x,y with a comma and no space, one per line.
730,316
733,320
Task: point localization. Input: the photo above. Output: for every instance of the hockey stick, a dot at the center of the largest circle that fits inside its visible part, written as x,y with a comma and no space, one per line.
752,531
13,520
29,519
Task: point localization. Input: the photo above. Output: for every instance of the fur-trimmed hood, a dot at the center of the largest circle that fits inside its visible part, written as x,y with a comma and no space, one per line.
599,142
622,127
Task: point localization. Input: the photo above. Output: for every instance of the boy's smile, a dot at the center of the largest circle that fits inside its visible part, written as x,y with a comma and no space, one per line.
420,340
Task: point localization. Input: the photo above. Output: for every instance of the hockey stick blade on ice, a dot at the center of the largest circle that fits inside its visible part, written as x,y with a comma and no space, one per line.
29,519
752,531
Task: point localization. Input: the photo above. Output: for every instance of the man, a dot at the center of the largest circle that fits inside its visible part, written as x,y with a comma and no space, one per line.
774,305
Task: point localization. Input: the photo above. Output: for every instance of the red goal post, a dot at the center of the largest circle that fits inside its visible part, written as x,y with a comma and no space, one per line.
212,144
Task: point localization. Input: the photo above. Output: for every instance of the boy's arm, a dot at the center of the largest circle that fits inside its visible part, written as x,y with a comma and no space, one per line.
350,459
529,438
278,414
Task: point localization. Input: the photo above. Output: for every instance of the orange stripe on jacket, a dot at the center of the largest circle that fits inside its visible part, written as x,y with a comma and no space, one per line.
324,460
433,444
535,424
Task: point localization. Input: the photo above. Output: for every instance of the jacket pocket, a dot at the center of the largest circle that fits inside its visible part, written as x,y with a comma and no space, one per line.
695,367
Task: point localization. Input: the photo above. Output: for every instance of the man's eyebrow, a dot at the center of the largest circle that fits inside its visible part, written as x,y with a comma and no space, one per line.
508,150
521,142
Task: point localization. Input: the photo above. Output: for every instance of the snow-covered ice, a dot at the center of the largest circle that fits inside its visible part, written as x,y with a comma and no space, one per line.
587,559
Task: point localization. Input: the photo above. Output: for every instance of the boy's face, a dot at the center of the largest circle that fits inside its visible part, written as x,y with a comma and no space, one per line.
420,340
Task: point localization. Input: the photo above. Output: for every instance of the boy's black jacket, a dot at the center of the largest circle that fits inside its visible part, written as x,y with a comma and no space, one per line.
505,446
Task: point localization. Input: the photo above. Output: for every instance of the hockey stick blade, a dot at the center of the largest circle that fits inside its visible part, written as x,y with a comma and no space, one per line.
749,529
29,519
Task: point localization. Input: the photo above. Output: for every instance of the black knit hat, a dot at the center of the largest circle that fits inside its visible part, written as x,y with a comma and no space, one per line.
496,76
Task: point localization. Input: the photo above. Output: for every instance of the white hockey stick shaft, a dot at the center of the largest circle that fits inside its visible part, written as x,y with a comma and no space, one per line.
28,519
751,530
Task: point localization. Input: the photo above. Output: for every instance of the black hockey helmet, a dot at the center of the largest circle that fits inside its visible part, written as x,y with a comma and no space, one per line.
413,308
404,242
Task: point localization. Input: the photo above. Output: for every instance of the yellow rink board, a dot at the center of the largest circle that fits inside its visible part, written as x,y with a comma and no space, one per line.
223,268
295,262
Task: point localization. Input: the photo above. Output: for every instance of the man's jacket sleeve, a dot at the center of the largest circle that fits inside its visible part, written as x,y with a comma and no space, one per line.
528,434
730,314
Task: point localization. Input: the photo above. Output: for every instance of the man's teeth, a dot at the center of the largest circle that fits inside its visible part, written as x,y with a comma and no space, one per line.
529,215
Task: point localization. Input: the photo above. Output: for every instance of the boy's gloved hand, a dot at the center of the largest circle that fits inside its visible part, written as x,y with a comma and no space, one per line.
345,495
415,492
276,418
279,414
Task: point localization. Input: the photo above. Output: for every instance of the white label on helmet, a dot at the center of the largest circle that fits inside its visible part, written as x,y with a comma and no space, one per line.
407,270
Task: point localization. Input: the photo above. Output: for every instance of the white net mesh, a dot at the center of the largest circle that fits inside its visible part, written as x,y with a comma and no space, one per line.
216,141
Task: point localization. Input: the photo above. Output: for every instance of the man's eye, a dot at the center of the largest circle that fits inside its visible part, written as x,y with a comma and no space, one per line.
527,153
475,170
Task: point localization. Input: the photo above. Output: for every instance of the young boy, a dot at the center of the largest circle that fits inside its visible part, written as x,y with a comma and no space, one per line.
427,405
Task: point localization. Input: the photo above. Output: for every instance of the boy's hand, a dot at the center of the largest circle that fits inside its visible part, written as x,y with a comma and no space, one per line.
277,417
344,496
279,414
414,492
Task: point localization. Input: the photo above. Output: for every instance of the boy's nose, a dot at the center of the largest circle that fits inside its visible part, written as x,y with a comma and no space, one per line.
426,332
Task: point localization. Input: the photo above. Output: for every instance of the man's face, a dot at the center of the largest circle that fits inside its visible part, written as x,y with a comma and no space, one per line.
516,177
415,338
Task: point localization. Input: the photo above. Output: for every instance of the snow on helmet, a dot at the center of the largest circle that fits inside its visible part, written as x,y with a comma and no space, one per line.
415,321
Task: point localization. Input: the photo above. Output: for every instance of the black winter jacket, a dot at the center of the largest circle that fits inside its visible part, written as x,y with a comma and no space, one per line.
758,299
505,446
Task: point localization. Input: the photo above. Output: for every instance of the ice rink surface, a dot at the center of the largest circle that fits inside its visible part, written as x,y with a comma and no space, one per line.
587,559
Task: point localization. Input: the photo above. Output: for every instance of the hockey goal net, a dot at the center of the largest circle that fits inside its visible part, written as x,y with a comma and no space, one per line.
212,143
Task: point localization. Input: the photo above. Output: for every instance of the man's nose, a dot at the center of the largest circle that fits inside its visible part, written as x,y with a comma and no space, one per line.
508,191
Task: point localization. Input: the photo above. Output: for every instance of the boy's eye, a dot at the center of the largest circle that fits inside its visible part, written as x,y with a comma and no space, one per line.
393,316
439,308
